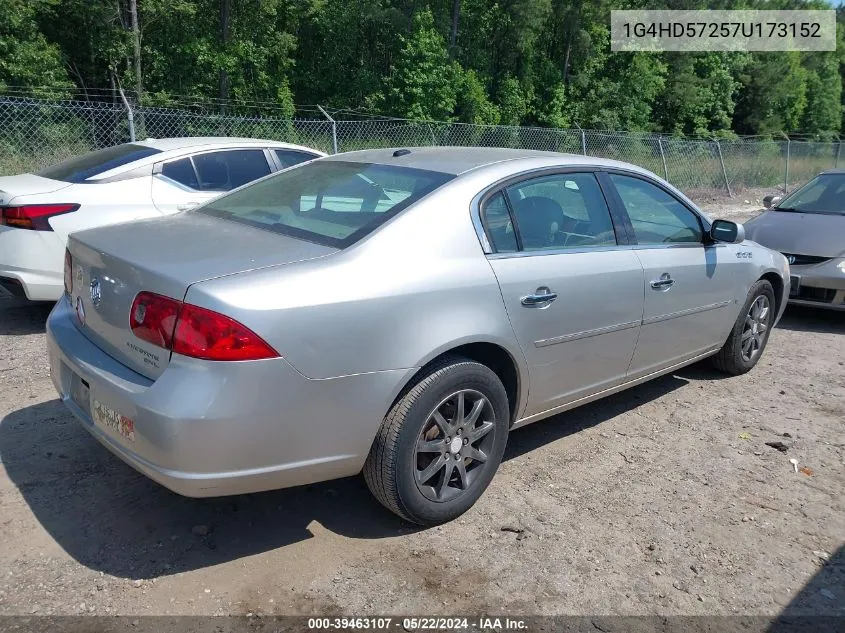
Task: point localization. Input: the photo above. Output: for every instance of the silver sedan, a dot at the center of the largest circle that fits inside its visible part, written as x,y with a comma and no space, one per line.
396,312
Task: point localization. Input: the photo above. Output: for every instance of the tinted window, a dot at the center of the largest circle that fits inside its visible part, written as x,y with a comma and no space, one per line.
223,171
823,194
182,171
657,217
328,202
497,221
289,158
87,166
561,211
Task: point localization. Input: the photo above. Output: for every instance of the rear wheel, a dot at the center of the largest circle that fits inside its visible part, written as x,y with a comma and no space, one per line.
441,443
750,333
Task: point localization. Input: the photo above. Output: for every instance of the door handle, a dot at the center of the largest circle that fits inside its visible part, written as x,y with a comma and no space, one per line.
664,283
188,205
540,297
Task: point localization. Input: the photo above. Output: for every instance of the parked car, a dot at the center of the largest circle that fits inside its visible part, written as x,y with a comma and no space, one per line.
126,182
396,312
808,227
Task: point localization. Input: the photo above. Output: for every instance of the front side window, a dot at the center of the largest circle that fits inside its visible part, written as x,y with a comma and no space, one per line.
823,194
329,202
83,168
561,211
657,217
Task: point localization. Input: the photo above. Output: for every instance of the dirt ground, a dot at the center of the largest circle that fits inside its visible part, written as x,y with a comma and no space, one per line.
664,499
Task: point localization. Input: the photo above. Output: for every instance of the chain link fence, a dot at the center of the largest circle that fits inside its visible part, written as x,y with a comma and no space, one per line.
35,133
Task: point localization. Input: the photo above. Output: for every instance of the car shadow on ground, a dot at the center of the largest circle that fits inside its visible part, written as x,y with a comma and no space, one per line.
18,316
803,319
112,519
818,607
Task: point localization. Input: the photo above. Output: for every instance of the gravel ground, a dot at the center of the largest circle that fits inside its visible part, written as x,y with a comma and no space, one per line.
664,499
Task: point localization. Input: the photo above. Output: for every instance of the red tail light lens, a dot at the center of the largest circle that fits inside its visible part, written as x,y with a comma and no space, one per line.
68,272
34,217
153,318
193,331
205,334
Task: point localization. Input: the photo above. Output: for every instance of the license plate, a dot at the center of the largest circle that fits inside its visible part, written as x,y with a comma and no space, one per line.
794,283
80,393
111,419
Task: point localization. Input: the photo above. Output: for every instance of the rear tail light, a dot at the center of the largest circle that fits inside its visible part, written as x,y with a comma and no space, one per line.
34,216
68,272
153,318
193,331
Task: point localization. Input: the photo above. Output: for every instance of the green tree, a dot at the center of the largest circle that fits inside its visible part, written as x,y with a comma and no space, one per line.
27,59
421,84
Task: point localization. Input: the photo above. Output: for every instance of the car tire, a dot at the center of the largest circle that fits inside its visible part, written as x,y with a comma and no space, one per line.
734,357
423,441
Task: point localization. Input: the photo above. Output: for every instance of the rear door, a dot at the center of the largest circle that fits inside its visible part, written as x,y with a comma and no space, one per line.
689,293
190,181
572,290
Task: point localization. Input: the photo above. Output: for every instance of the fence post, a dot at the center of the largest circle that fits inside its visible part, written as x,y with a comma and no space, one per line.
663,158
583,140
130,116
724,171
786,173
838,150
430,131
334,128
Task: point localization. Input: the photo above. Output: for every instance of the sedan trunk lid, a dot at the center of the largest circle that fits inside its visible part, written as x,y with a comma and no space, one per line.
111,265
12,187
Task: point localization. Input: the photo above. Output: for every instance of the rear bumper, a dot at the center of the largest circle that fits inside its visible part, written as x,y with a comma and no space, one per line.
33,261
209,429
819,285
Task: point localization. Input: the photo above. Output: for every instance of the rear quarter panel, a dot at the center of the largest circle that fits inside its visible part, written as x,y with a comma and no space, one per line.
419,286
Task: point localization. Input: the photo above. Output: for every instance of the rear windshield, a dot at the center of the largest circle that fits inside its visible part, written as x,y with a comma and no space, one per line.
328,202
84,167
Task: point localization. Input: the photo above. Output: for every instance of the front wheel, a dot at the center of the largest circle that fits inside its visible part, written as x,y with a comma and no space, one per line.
750,333
441,443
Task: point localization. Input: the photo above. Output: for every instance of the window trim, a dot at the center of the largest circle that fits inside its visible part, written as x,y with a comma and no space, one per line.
479,203
703,222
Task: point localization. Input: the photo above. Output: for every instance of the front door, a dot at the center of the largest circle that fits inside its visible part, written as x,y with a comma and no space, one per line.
573,295
688,287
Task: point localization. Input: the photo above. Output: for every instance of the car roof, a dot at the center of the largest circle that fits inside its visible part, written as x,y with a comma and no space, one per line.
836,171
197,142
459,160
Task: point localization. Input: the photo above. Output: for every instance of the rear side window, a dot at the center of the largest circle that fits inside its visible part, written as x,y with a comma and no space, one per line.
182,171
289,158
561,211
657,217
328,202
223,171
497,221
83,168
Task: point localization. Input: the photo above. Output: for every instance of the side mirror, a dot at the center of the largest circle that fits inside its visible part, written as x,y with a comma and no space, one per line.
727,231
771,200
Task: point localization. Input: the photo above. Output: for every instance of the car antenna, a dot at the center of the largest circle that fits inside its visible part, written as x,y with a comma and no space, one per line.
401,152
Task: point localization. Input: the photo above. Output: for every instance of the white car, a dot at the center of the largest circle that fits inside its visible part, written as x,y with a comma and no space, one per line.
118,184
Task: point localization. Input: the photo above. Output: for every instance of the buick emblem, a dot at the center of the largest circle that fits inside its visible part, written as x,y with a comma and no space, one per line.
80,310
95,291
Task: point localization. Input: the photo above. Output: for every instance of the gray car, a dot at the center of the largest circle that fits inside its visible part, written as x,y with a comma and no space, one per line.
808,227
395,312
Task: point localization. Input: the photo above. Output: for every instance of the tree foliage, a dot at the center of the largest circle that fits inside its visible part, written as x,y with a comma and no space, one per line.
513,62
